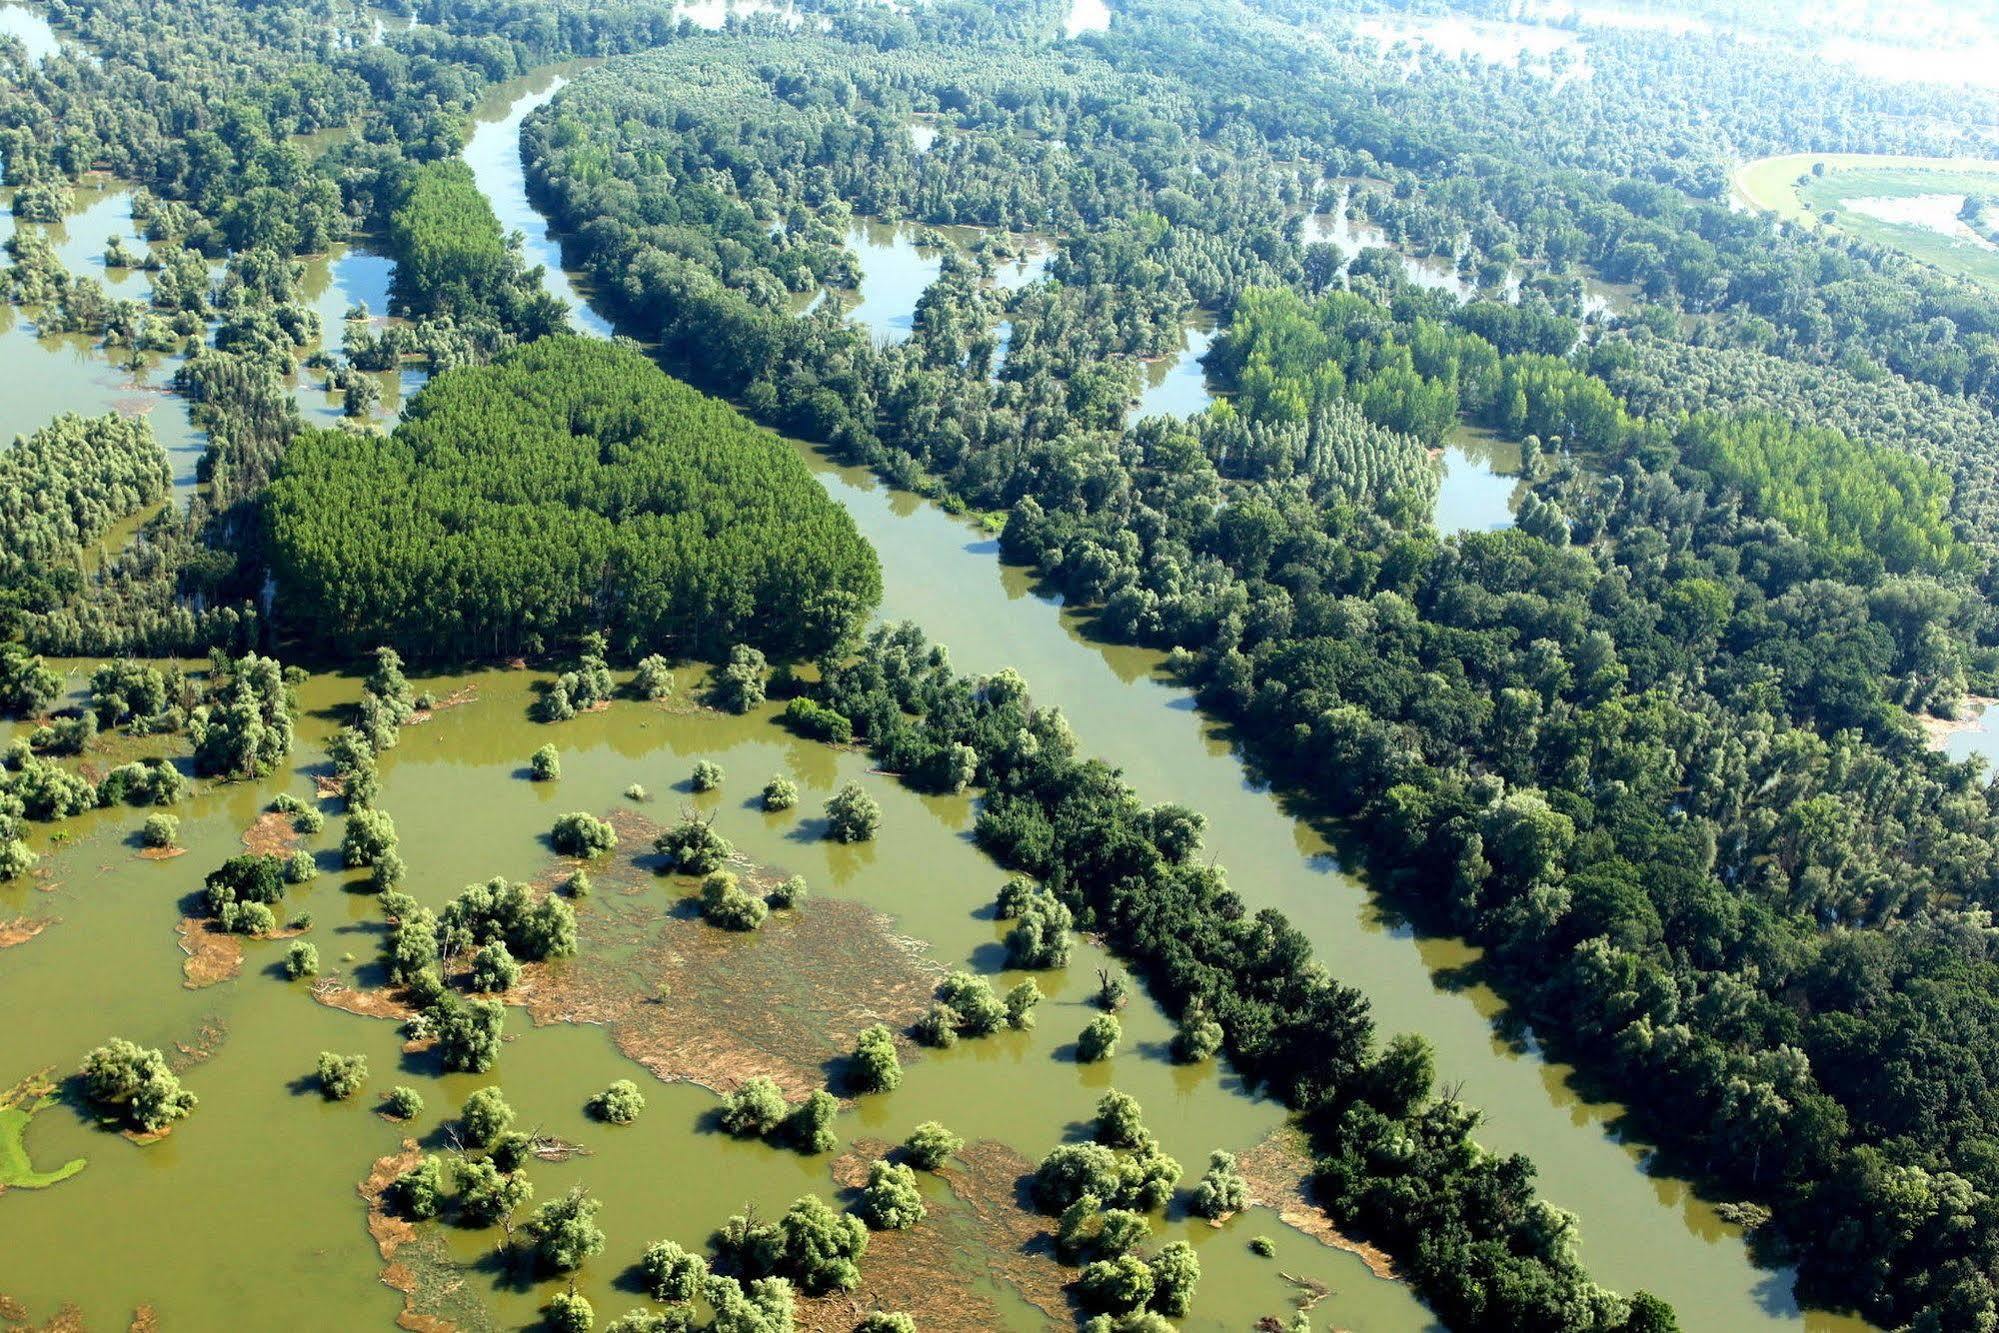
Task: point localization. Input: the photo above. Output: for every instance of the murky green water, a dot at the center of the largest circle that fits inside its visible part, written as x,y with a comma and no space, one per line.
265,1155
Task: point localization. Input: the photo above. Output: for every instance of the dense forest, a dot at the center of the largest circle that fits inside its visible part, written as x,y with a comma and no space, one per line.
1658,747
568,486
1548,737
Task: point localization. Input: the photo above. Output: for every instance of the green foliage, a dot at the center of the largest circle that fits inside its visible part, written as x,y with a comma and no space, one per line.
453,259
1120,1122
780,793
1021,999
160,831
485,1117
583,835
487,1195
341,1076
707,776
370,834
1199,1036
545,764
788,894
809,1127
886,1321
814,721
978,1011
499,911
61,489
27,686
418,1193
739,686
671,1274
618,1104
754,1110
486,484
693,847
493,968
468,1032
725,904
1040,935
1098,1040
134,1086
876,1067
244,729
568,1312
930,1145
564,1232
404,1103
890,1201
301,959
852,815
653,679
1221,1189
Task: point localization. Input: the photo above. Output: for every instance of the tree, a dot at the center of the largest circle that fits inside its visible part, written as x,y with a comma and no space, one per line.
930,1145
494,969
160,831
301,960
403,1103
653,680
693,847
1020,1001
619,1104
755,1109
369,834
135,1085
1120,1122
971,998
886,1321
852,815
27,686
821,1249
1176,1271
707,775
564,1231
1040,935
418,1193
1221,1189
780,793
341,1076
583,835
1073,1170
1098,1040
890,1201
488,1196
567,1312
725,904
740,685
671,1274
788,894
545,764
468,1032
1199,1035
485,1116
810,1124
1123,1283
875,1065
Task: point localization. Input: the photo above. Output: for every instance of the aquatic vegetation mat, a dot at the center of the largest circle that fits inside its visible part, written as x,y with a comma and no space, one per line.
436,1298
693,1002
976,1237
1279,1172
18,1106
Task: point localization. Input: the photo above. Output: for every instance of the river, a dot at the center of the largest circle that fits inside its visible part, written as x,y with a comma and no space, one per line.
1638,1230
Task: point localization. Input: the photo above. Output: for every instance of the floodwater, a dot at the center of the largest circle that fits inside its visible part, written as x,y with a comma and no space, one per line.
31,28
465,812
1481,484
1176,385
494,154
1638,1230
895,270
1931,212
1548,52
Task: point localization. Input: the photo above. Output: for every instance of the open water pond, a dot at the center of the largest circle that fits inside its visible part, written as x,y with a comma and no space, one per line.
1176,385
107,964
1481,484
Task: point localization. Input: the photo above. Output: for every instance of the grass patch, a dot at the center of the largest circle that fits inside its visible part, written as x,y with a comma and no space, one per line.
18,1107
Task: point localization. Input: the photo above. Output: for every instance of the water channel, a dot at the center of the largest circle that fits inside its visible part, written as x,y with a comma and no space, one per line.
1638,1230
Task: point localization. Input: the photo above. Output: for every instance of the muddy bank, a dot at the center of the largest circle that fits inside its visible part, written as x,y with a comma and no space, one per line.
22,929
415,1261
1279,1172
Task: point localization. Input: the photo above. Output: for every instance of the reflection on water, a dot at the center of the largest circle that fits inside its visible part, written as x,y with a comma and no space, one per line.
1481,483
1176,385
1930,212
31,29
494,154
895,270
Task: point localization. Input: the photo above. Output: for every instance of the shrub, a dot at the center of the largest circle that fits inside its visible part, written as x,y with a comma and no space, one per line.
780,793
404,1103
876,1066
160,830
341,1076
890,1200
301,960
852,815
583,835
618,1104
707,775
1099,1040
485,1117
930,1144
545,764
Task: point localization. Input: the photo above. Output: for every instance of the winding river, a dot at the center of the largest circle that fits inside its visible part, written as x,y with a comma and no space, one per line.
1638,1230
